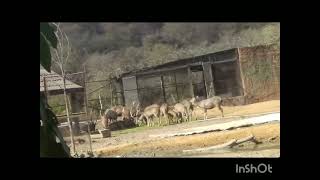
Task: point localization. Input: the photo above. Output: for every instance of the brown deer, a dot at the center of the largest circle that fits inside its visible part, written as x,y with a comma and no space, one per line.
209,103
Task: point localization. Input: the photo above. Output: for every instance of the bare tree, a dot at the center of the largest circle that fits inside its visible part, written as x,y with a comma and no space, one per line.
60,58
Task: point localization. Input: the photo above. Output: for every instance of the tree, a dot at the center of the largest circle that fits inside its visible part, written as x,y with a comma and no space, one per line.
61,57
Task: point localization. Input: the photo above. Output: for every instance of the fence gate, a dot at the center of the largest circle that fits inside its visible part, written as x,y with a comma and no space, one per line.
130,90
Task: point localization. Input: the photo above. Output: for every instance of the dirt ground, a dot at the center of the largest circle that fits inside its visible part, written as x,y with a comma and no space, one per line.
136,142
262,107
173,146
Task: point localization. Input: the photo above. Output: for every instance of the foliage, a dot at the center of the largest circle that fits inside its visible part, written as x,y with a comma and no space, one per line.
113,48
47,37
52,143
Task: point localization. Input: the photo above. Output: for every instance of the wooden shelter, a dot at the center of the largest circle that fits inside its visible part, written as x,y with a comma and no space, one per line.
248,74
52,84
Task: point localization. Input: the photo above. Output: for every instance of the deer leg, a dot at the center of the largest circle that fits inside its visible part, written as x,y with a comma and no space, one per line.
181,120
151,121
148,121
182,115
205,114
167,117
177,118
220,108
193,114
187,116
158,120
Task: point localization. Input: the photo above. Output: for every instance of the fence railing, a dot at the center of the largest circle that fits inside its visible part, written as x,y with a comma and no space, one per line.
91,100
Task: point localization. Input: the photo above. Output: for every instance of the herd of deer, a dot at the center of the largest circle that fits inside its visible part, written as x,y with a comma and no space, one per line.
182,111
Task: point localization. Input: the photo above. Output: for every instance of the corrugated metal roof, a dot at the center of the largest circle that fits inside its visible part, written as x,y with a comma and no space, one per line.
54,81
182,62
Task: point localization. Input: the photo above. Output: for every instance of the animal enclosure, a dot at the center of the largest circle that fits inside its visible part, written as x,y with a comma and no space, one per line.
240,76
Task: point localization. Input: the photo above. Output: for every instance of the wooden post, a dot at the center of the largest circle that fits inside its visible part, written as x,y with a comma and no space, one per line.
205,80
241,73
208,78
174,100
100,105
74,104
190,82
85,99
175,82
212,91
137,87
67,110
89,134
111,94
213,78
163,90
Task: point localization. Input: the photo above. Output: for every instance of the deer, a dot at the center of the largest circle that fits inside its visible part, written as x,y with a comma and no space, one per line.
164,112
209,103
173,115
180,110
117,109
149,112
135,111
126,115
109,116
189,108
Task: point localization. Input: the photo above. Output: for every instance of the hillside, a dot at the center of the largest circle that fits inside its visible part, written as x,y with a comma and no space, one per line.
110,48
